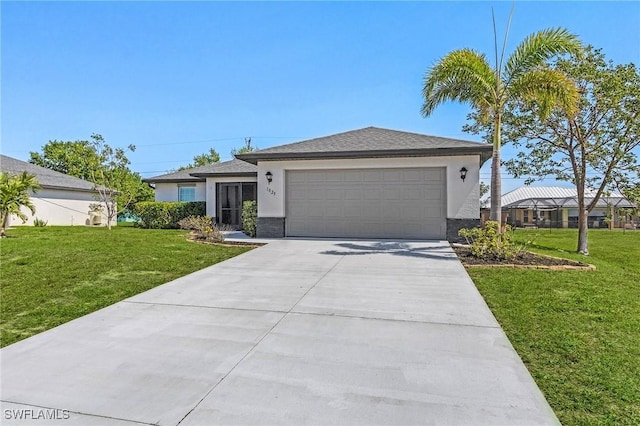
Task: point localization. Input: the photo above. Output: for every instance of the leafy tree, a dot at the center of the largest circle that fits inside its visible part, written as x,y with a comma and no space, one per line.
111,176
465,75
484,189
203,159
15,193
81,159
594,148
246,148
68,157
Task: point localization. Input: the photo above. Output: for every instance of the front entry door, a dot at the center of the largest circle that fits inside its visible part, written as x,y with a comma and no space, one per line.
230,203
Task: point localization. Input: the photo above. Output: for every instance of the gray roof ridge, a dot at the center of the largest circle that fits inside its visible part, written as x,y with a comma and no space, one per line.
63,180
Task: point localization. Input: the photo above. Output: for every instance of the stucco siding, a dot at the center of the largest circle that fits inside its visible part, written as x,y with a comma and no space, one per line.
463,198
169,191
59,207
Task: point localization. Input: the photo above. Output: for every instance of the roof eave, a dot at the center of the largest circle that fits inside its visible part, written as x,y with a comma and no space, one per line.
483,151
222,174
178,180
67,188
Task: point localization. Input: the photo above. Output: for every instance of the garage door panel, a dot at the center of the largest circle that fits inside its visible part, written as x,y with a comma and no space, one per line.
371,176
334,194
372,194
367,203
392,175
413,175
434,175
353,194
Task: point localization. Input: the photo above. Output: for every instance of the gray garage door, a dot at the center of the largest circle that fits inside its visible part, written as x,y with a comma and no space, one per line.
367,203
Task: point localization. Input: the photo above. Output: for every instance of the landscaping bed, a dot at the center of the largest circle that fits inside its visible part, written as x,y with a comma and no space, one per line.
524,259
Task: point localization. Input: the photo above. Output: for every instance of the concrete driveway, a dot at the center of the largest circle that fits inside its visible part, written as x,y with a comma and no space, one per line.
295,332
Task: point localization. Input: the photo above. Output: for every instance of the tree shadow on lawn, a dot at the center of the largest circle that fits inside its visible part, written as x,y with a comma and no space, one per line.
395,248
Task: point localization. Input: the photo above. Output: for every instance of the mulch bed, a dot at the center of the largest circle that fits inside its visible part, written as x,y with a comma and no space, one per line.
525,260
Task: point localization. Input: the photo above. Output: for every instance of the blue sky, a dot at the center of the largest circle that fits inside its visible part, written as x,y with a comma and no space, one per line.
177,78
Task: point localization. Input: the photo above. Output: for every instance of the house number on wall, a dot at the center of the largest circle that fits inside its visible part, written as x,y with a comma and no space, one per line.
271,191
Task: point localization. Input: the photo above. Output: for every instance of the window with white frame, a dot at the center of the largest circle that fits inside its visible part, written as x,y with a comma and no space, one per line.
187,193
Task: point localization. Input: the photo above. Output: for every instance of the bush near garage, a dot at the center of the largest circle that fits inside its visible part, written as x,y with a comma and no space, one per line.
202,228
250,217
166,215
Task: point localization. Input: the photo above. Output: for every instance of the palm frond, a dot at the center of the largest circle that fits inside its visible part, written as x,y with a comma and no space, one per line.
537,49
547,89
462,75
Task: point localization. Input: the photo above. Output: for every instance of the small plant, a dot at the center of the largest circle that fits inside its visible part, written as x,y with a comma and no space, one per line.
250,217
488,243
202,228
40,223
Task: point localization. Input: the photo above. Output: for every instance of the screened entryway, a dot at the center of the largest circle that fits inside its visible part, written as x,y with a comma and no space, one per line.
230,198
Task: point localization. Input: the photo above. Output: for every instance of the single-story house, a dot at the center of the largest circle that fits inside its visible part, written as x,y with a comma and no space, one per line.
366,183
557,207
62,200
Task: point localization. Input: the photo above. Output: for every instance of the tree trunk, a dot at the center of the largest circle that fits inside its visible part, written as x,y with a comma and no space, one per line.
496,180
583,223
5,219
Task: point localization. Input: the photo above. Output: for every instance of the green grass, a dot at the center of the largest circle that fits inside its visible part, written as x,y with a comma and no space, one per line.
578,332
52,275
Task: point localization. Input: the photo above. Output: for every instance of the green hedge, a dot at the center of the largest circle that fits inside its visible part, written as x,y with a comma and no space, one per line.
166,215
249,217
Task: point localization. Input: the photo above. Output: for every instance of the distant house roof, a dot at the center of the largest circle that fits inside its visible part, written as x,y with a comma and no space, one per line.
46,177
370,142
233,167
547,197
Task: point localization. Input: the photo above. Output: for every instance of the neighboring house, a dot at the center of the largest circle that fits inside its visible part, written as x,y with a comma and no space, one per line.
63,199
367,183
557,207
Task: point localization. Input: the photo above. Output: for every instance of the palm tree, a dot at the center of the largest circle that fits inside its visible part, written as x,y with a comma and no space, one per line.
14,194
466,76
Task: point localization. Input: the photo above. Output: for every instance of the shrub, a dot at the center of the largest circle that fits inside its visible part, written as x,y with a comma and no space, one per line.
250,217
166,215
39,223
202,228
488,243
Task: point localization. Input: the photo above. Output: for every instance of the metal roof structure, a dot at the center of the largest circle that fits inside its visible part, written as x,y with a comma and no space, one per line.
554,197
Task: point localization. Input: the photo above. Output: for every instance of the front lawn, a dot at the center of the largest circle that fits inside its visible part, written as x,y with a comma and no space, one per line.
52,275
578,332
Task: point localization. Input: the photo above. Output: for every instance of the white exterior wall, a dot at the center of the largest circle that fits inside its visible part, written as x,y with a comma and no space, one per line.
463,198
169,191
211,195
60,207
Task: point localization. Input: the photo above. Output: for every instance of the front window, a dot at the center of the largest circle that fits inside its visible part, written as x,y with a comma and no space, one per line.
186,193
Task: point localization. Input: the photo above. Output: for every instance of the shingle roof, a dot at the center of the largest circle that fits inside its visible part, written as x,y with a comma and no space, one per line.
233,167
179,176
370,142
555,196
46,177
